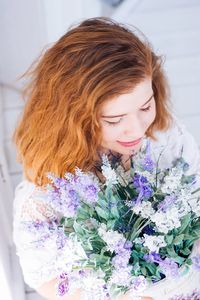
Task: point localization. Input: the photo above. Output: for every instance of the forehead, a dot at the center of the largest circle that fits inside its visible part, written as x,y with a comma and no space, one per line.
129,101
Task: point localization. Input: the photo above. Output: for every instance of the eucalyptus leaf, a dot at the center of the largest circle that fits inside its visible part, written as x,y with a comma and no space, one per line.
178,239
102,213
169,239
185,222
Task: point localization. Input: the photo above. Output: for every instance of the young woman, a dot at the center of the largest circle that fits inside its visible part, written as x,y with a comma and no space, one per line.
99,89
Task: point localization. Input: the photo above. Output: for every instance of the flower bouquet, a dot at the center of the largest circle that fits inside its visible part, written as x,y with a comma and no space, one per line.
124,235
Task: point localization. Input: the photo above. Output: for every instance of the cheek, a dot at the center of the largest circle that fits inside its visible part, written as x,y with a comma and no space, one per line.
110,133
150,117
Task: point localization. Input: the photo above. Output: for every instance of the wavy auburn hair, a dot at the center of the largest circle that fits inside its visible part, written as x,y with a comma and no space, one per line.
93,62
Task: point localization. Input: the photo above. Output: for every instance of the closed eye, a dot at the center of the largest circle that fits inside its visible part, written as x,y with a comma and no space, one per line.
146,108
113,123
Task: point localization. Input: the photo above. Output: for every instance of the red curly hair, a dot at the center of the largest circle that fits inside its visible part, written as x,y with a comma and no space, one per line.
90,64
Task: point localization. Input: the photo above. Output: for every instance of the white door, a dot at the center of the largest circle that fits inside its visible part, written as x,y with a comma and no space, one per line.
11,282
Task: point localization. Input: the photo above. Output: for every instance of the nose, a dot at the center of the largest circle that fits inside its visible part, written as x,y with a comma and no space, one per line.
134,128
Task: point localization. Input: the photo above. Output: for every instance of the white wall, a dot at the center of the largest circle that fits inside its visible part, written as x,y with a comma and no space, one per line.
26,27
173,28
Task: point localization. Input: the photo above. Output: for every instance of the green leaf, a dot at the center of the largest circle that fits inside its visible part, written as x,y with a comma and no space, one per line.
68,222
185,251
102,201
108,192
178,239
144,271
78,229
171,252
151,268
102,213
62,221
135,255
185,271
196,233
185,222
114,212
169,239
83,215
179,260
111,223
188,261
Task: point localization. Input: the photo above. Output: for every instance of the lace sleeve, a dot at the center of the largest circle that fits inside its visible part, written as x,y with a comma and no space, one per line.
40,243
174,143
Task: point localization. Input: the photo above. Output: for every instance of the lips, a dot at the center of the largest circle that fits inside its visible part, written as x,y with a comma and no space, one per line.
130,144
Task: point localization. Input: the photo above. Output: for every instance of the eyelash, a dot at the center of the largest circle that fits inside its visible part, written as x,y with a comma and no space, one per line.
115,123
147,108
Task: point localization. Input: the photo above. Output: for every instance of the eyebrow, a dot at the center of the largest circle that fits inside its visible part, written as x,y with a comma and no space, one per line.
126,114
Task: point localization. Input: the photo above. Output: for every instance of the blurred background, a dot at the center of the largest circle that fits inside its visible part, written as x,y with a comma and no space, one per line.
29,26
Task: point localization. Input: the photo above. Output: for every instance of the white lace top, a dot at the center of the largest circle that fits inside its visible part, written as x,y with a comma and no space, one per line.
41,264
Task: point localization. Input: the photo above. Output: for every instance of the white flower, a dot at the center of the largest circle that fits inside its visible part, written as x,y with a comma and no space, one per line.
166,221
93,280
195,206
92,285
172,181
154,243
144,209
122,277
107,171
139,284
182,202
138,241
124,177
111,237
74,253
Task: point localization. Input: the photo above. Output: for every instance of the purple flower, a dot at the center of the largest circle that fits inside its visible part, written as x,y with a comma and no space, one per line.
146,191
169,267
65,195
39,232
91,193
82,273
65,200
195,295
139,180
63,276
142,187
121,259
139,283
148,164
167,203
84,186
128,245
42,233
62,288
63,285
122,247
61,238
152,257
57,181
196,262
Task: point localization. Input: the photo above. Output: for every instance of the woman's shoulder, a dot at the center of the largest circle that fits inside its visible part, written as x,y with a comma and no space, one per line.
31,203
36,235
177,142
174,134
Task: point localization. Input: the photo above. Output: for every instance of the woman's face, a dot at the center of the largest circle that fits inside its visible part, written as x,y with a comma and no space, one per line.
125,119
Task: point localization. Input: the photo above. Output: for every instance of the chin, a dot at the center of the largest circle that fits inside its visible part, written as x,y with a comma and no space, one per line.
128,151
123,150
